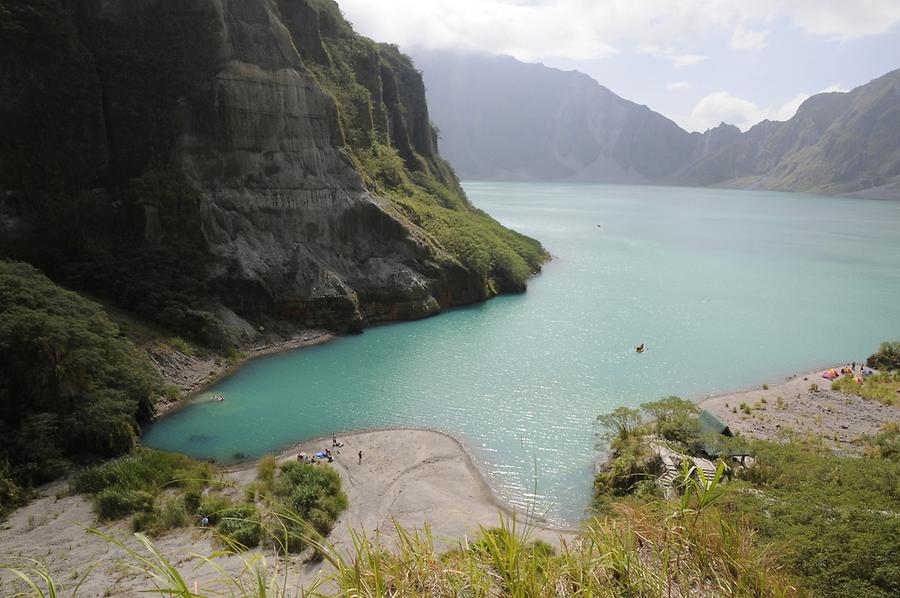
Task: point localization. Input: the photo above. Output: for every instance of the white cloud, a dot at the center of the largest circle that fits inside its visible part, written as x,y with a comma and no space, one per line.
745,39
527,31
789,108
721,106
587,29
837,19
682,60
679,86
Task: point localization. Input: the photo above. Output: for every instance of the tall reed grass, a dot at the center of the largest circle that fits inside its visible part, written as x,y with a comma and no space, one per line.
638,553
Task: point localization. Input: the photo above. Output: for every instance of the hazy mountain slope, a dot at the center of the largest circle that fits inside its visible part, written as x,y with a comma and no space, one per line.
503,119
193,159
859,149
835,143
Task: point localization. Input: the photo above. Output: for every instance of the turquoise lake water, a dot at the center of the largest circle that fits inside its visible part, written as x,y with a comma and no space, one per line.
728,289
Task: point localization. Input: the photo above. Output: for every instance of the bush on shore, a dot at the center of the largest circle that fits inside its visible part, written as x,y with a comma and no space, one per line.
240,525
887,357
131,483
306,496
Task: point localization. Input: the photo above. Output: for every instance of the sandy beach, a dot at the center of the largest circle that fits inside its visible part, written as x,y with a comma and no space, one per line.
408,475
840,419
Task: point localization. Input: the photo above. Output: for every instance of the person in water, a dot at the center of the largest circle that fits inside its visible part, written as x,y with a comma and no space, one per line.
640,348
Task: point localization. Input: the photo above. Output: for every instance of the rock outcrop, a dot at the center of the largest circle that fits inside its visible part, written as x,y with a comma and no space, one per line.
190,157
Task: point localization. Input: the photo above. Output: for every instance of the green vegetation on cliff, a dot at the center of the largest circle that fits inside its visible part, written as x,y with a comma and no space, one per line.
70,386
381,105
834,522
89,188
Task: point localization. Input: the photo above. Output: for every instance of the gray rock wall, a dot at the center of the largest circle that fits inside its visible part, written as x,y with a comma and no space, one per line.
267,194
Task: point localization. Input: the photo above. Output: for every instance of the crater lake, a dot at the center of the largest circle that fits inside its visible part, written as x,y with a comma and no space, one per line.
727,289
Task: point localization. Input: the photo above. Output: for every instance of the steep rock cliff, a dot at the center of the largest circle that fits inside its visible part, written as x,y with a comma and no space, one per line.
189,157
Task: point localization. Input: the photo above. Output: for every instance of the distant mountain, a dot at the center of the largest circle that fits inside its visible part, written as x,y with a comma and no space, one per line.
836,143
500,118
504,119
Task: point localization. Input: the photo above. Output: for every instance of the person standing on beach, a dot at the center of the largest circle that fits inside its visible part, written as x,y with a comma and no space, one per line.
360,457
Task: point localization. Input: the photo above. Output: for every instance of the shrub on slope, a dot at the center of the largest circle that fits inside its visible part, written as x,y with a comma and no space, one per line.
70,386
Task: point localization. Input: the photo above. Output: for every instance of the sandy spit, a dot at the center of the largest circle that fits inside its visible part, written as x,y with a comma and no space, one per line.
410,476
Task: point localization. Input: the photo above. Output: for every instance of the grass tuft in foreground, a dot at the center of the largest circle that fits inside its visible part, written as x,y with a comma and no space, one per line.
639,553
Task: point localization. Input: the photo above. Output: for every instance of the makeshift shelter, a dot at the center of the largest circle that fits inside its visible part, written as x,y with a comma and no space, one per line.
711,427
711,424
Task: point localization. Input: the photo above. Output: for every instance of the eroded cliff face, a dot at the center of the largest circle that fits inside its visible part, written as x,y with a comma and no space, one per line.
211,127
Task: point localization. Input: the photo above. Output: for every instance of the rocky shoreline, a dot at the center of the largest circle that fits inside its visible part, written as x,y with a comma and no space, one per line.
803,404
192,374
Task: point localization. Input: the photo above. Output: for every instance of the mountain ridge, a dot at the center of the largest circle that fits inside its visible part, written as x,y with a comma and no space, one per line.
579,130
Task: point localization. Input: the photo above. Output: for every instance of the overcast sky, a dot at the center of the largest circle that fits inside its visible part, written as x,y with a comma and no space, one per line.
699,62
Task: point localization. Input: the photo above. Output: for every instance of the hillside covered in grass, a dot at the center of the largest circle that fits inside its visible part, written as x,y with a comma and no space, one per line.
829,524
70,386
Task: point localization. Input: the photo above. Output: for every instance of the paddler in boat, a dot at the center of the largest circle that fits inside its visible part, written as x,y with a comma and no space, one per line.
639,348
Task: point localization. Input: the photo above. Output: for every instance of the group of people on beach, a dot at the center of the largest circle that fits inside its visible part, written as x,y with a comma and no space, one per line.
325,455
849,370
